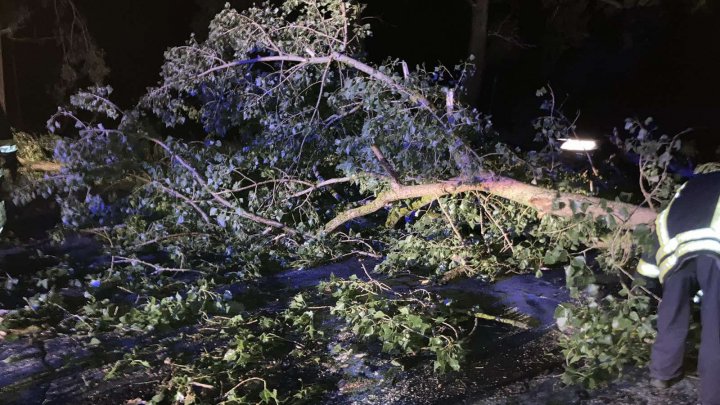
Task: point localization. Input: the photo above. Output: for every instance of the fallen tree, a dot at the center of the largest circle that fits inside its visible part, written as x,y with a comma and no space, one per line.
544,201
273,144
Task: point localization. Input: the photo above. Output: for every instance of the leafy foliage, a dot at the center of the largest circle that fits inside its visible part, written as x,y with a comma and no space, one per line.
605,336
404,324
257,138
655,157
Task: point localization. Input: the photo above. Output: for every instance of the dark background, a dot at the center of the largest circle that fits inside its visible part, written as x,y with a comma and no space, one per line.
655,61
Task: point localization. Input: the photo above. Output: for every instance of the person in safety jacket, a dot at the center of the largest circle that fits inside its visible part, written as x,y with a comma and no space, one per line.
685,257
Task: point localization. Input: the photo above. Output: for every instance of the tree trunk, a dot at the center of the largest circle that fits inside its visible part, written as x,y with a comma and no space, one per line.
544,201
477,48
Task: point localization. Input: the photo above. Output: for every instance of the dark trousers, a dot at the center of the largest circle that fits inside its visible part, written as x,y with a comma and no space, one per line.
674,319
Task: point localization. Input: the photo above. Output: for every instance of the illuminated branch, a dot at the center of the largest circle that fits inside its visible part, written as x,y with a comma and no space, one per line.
542,200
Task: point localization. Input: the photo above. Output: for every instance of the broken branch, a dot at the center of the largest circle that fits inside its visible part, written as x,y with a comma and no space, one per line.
543,200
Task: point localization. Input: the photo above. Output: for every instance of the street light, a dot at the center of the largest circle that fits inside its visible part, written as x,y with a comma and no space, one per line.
578,145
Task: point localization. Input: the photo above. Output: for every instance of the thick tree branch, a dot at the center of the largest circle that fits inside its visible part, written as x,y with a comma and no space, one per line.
541,199
336,57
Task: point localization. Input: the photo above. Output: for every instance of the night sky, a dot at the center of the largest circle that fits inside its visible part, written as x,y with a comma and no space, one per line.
661,62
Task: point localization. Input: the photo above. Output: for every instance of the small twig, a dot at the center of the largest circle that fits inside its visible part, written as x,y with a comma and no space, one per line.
113,105
381,286
101,232
206,386
345,25
394,182
255,185
316,110
321,185
450,221
366,254
508,321
262,30
449,102
78,317
183,197
336,117
286,340
457,335
641,181
157,268
173,236
238,385
648,292
349,239
497,225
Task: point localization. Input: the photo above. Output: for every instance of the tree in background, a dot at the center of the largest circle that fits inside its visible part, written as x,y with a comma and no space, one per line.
12,15
55,26
566,25
477,46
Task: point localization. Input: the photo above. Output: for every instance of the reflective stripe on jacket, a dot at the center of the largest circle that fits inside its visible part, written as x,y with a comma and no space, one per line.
688,227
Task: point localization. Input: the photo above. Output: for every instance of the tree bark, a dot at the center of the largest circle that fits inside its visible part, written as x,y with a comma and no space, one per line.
477,48
542,200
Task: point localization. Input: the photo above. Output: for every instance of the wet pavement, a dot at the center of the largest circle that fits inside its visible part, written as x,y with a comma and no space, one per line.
507,365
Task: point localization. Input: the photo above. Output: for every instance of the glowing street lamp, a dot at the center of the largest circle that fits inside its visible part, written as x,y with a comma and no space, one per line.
8,149
578,145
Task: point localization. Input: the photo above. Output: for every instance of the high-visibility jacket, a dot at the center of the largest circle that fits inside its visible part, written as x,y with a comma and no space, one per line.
688,227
